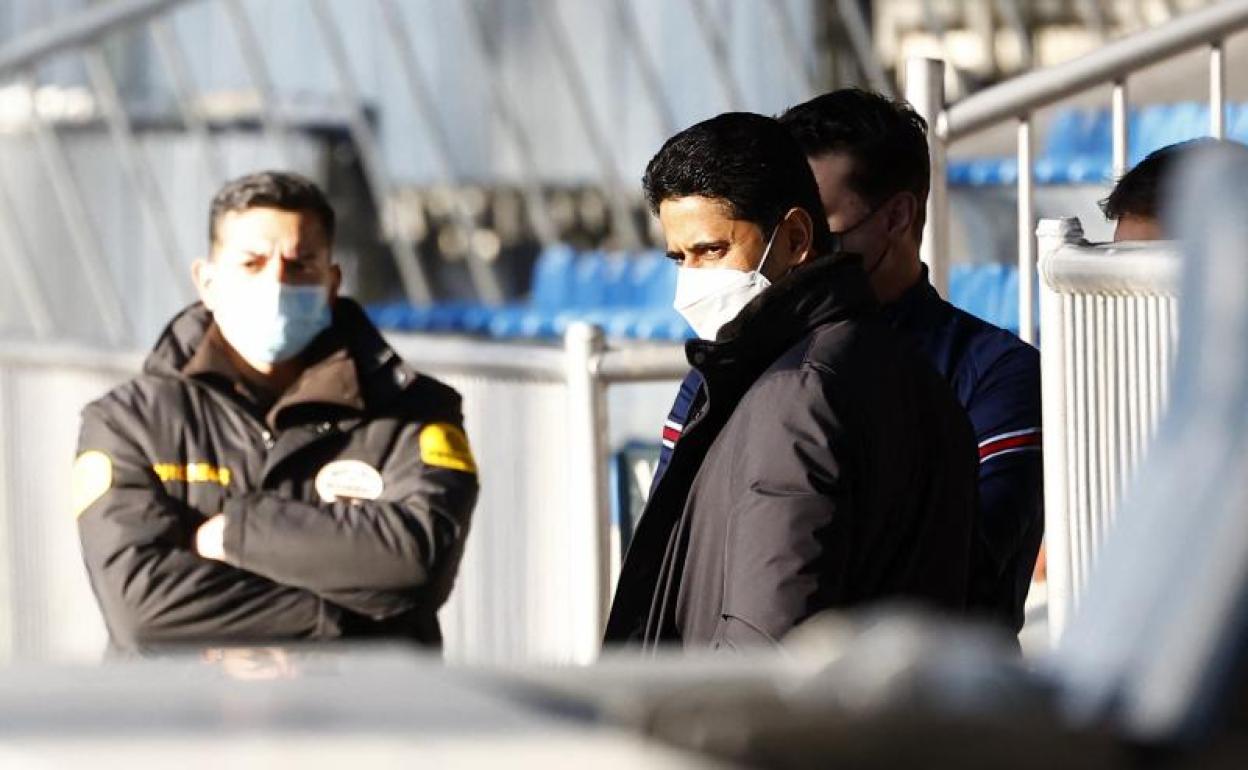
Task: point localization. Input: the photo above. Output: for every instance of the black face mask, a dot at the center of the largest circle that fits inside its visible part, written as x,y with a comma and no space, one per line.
838,239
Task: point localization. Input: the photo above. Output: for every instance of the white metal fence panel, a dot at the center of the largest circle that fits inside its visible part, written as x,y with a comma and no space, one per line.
1109,325
527,589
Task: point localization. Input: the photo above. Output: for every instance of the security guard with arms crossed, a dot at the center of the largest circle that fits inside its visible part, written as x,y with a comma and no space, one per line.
276,473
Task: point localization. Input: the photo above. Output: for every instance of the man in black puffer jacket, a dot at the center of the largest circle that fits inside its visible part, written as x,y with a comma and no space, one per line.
825,463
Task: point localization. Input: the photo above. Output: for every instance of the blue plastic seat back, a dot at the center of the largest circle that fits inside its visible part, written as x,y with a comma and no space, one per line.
553,277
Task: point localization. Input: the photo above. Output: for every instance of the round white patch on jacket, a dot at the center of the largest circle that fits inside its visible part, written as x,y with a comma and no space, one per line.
348,479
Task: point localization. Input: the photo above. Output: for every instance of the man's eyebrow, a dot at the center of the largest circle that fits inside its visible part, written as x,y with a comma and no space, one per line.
709,244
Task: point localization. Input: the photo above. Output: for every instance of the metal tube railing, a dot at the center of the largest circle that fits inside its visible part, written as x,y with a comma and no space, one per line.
1030,92
1217,91
1018,99
1026,235
1118,127
925,91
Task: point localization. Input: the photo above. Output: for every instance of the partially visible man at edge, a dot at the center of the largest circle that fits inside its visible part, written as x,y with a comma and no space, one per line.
825,464
1135,204
276,473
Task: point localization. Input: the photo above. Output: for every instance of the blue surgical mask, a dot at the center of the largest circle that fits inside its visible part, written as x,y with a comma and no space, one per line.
267,322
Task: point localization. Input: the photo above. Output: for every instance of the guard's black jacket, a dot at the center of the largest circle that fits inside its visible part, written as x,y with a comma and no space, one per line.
315,547
826,464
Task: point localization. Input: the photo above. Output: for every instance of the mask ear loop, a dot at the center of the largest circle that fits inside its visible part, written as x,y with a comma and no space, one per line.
767,251
839,237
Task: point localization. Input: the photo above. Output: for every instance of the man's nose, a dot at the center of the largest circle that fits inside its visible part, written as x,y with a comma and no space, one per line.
279,266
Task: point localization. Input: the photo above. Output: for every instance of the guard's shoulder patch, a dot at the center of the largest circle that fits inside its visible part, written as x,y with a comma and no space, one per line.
92,476
444,445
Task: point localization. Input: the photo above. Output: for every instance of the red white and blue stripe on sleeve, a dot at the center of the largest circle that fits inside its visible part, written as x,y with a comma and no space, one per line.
1009,443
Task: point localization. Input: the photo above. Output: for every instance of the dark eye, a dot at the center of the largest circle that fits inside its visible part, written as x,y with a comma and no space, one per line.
675,256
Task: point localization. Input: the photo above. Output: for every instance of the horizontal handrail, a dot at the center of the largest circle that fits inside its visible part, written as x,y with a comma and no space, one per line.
643,364
1022,95
1118,269
43,356
435,353
79,29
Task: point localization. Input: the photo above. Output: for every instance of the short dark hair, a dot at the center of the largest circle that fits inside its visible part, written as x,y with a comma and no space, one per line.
270,189
1138,192
748,161
886,139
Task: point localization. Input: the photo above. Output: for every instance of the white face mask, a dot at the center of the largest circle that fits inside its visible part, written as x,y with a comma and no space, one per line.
709,298
266,321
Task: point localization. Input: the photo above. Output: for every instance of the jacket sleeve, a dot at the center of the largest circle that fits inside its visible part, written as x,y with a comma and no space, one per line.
151,585
1005,413
788,541
367,554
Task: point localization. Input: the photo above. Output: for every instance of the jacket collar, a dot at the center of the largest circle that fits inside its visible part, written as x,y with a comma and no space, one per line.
920,306
350,367
823,291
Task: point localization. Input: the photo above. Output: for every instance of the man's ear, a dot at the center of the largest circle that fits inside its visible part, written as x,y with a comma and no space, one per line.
335,281
799,232
202,275
903,212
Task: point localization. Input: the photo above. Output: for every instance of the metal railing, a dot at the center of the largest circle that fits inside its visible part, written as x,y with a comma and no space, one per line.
1019,98
1110,323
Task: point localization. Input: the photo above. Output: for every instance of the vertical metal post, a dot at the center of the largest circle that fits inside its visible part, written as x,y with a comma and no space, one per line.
411,273
624,222
587,451
1119,127
1026,235
1217,91
859,32
78,223
187,97
138,172
925,90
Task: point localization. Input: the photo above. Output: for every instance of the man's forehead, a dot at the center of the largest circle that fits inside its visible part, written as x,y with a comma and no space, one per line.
265,225
697,217
832,172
